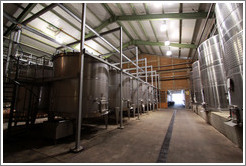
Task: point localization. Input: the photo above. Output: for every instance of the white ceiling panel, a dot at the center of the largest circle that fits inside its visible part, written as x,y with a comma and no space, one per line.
115,9
99,10
140,10
187,30
148,29
139,31
126,8
170,7
184,52
155,7
173,30
190,7
37,44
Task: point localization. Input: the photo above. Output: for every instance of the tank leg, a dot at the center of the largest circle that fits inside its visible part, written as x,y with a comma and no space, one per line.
128,112
117,111
106,120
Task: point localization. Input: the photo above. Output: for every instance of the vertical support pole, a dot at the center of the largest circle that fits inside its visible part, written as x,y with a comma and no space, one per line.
146,80
156,90
121,93
152,88
159,88
79,148
137,81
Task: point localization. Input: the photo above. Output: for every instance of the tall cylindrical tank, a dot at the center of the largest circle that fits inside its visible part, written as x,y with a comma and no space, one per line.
114,89
145,93
191,88
151,96
229,17
212,73
136,88
65,90
198,96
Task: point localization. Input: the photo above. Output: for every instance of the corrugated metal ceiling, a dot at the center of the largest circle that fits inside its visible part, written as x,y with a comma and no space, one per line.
57,24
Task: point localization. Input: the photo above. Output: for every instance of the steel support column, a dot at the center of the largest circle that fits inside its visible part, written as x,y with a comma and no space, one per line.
137,81
121,92
78,147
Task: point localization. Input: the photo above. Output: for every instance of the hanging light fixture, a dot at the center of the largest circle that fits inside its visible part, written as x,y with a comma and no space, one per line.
167,43
168,53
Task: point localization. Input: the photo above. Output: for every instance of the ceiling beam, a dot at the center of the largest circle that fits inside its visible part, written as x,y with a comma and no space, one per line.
140,42
92,37
20,18
192,15
41,12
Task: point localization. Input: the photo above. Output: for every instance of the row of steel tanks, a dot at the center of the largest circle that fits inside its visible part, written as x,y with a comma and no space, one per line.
217,77
101,88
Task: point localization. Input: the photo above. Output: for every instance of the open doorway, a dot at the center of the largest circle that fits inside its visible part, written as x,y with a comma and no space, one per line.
176,98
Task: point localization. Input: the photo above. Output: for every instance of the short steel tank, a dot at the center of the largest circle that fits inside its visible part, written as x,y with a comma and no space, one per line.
212,74
145,93
65,90
196,76
151,96
229,17
114,89
136,88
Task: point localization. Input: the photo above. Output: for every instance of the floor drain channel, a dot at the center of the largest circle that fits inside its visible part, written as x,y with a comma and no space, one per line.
165,146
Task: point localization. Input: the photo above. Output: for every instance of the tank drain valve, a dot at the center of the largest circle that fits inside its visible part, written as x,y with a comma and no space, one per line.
234,114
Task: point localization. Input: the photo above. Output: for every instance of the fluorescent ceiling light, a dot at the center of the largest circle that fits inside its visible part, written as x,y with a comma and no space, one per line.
163,27
167,43
168,53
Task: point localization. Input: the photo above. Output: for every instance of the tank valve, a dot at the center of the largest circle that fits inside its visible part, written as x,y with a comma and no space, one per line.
234,114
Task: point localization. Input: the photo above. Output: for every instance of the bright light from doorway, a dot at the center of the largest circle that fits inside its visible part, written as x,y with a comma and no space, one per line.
178,98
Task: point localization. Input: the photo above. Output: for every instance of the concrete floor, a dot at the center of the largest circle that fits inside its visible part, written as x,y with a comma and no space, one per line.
192,141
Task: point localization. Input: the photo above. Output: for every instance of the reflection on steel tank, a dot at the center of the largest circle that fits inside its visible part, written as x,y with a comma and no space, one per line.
229,17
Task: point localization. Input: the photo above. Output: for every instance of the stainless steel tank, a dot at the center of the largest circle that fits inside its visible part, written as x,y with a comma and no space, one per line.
198,96
229,17
145,93
212,74
151,96
136,89
65,90
38,72
191,88
114,89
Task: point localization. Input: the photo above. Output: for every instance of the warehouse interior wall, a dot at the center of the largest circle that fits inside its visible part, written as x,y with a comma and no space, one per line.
172,77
